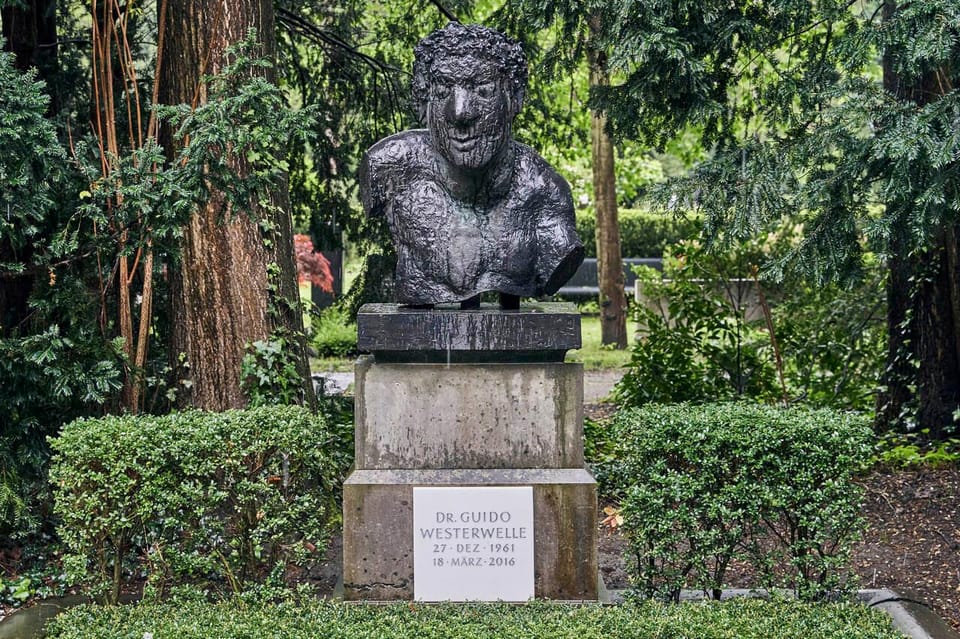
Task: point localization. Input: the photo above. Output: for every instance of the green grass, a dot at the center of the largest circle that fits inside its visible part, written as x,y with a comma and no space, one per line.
743,619
593,355
332,364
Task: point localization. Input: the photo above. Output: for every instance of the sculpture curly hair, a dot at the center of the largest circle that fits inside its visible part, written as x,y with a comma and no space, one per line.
458,40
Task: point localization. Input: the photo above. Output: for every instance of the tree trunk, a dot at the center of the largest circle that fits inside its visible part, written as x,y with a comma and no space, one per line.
938,373
894,398
923,294
922,377
613,299
222,296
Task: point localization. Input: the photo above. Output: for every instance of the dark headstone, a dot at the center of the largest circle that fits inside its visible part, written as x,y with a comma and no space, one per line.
321,298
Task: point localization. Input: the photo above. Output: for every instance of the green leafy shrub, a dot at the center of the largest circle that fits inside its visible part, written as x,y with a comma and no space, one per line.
45,380
291,619
334,335
913,450
703,486
269,372
40,582
596,441
642,233
216,499
338,415
704,332
833,339
54,365
694,341
31,162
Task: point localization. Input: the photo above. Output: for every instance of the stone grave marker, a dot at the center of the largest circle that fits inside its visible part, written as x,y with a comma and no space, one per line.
469,479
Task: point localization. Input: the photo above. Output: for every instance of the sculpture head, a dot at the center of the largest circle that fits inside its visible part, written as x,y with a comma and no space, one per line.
468,85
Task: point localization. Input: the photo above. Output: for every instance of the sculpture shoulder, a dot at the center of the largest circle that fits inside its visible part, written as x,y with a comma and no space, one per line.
388,164
543,182
399,150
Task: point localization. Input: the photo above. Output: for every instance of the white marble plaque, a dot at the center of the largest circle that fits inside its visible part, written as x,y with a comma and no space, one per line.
473,543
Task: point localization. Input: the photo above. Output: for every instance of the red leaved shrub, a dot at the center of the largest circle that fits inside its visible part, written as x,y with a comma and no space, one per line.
312,266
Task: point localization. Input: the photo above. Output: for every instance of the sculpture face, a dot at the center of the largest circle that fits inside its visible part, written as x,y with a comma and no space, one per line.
469,112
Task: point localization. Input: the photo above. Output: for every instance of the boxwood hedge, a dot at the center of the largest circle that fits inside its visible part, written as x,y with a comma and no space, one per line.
642,233
744,619
706,485
221,500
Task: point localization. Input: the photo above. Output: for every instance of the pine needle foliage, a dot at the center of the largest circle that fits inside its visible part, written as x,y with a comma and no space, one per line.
841,114
788,97
30,160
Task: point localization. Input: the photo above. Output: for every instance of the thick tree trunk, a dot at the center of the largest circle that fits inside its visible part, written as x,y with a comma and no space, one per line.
898,374
923,295
922,378
938,374
223,299
613,299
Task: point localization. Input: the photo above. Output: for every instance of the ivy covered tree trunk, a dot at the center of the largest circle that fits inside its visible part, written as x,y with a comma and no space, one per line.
235,281
895,394
613,299
923,295
921,384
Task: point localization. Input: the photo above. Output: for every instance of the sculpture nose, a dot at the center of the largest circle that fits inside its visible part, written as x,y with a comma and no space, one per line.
462,107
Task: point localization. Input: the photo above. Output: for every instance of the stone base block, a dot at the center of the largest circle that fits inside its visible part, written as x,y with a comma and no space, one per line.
378,561
416,416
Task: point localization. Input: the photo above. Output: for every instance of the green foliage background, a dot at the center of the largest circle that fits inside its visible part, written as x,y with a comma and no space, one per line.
703,486
65,225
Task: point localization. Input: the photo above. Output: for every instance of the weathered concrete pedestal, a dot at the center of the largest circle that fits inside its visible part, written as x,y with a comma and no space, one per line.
462,399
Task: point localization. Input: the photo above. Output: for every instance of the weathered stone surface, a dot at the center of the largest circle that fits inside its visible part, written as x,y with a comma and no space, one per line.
537,332
378,530
468,415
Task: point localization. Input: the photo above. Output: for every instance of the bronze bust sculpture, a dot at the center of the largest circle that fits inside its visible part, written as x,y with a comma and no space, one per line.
470,210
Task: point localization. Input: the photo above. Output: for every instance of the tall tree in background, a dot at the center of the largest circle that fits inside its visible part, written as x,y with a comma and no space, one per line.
29,32
613,300
923,288
787,95
235,282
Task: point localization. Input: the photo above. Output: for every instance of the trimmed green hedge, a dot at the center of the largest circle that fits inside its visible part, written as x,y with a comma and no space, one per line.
703,486
642,233
216,499
744,619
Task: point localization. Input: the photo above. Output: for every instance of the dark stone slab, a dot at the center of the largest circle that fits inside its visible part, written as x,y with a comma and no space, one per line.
536,332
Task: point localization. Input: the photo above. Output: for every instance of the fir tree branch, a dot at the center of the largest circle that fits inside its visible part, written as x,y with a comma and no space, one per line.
446,12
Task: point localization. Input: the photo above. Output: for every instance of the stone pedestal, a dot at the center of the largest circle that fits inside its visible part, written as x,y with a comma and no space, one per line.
468,415
472,422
